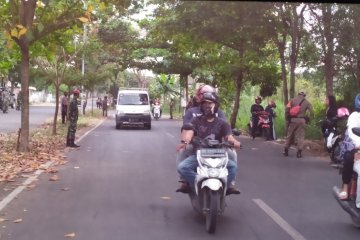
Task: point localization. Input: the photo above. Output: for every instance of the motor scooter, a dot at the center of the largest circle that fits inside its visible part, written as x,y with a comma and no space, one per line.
211,180
264,126
352,204
332,140
157,111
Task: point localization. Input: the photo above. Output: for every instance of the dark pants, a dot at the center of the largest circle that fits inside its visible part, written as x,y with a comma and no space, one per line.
171,113
347,170
255,122
63,114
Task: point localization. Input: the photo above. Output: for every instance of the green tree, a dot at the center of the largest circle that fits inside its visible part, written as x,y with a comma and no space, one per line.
18,18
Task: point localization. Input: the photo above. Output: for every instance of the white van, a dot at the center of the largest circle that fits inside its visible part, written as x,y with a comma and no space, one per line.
133,108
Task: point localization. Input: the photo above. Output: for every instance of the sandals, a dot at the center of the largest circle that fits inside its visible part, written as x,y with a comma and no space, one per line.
343,195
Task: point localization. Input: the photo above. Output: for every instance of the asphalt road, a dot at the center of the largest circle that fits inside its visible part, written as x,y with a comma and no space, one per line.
121,185
11,121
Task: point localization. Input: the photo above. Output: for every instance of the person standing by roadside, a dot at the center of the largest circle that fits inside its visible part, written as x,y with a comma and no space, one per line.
73,118
255,109
104,106
64,107
84,106
297,124
171,107
272,114
18,100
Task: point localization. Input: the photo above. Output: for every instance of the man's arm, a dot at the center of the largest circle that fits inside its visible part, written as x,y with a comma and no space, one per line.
230,138
185,139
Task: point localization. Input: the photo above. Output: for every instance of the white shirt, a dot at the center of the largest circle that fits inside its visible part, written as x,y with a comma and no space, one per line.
354,122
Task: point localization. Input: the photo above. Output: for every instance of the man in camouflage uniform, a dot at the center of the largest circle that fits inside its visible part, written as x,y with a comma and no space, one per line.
5,98
18,100
73,117
297,124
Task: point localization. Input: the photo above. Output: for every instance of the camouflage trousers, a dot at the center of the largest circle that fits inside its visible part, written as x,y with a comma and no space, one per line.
71,130
296,133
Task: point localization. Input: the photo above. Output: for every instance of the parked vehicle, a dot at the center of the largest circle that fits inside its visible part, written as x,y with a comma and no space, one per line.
349,205
133,108
211,181
264,126
333,135
332,139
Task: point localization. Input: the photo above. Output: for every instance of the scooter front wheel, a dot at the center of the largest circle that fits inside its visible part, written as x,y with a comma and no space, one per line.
355,222
212,210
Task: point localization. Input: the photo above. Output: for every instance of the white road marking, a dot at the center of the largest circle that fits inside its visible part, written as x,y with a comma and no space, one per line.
19,189
279,220
32,178
170,135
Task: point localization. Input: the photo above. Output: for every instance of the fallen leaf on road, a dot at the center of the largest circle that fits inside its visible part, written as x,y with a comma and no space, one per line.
52,170
70,235
29,187
166,198
18,220
3,220
54,178
76,167
65,189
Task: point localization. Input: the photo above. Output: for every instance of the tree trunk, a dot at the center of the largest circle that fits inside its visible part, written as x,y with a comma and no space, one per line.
57,96
296,28
281,48
293,53
184,83
329,52
25,65
239,84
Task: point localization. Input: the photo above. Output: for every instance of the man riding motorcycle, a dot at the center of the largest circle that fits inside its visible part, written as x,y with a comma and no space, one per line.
195,111
206,126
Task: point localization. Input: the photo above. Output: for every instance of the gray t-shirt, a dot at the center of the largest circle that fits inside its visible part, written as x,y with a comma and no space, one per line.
217,129
196,112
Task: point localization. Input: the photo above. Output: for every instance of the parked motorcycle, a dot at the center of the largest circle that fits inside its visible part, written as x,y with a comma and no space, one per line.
349,205
157,111
333,135
264,127
332,139
211,180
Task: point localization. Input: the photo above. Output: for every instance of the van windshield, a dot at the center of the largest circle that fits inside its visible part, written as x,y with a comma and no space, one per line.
133,99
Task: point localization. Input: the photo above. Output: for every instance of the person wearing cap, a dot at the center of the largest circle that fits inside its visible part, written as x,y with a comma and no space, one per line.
206,126
255,109
297,124
73,118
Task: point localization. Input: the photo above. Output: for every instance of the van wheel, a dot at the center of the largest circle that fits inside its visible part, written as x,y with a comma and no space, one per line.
118,126
148,126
